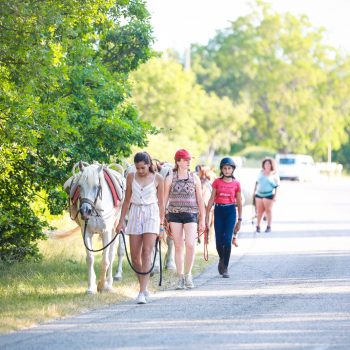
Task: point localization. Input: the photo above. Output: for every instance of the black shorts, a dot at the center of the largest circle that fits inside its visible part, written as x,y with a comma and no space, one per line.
267,197
182,218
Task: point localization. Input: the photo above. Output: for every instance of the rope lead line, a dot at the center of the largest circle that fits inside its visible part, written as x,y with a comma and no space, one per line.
130,263
127,254
96,250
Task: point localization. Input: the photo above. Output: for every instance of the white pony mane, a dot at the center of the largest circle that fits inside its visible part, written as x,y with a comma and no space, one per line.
90,176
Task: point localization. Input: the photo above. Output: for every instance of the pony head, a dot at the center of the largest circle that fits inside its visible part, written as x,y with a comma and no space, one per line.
90,188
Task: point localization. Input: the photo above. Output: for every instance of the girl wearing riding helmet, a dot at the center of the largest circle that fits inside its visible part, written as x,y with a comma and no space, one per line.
183,195
226,196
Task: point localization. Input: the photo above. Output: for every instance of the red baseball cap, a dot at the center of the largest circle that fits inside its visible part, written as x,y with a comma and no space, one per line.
182,154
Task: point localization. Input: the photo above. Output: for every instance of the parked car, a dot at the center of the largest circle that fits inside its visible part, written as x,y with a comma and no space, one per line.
299,167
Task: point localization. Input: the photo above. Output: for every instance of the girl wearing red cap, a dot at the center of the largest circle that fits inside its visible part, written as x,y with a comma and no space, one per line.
183,194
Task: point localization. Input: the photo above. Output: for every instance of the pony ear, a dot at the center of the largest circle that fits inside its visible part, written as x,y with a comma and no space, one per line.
99,169
81,166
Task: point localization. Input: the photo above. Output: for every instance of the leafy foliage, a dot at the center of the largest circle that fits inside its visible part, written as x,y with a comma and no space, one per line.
185,115
64,96
297,86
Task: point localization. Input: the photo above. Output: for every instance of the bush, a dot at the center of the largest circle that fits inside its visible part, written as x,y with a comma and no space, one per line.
257,152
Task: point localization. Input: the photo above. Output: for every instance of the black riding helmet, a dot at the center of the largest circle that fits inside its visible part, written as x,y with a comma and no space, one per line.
227,161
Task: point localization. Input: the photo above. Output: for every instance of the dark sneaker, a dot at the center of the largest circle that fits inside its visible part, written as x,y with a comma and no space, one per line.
221,266
258,229
268,229
225,273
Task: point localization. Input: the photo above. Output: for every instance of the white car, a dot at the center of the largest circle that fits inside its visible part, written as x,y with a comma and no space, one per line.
298,167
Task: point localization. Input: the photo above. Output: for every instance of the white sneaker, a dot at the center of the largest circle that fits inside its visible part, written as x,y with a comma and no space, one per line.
147,294
180,283
188,281
141,299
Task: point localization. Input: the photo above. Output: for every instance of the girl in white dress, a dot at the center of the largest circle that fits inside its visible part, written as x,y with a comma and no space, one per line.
145,204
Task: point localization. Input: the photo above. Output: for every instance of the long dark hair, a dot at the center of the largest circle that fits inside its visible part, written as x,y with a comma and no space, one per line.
146,158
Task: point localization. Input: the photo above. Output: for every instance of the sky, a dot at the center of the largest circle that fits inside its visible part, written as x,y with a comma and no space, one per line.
178,23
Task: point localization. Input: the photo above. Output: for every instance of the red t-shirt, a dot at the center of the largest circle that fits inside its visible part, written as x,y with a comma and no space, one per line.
226,191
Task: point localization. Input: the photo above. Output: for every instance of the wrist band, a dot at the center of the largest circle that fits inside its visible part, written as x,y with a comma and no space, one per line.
239,219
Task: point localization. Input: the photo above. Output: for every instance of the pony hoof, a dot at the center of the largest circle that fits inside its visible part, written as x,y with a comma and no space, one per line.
91,291
171,267
117,278
100,287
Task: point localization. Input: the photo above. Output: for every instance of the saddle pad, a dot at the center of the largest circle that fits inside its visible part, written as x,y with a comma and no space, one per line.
116,199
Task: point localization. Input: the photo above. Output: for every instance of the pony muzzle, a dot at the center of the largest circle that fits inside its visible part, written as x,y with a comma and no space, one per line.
85,211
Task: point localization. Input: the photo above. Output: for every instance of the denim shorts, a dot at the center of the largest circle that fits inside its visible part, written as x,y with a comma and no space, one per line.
182,218
267,197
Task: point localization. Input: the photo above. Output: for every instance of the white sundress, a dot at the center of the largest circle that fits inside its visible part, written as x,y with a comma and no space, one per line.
144,211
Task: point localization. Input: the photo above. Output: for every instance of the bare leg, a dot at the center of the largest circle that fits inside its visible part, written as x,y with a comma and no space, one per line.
268,210
178,237
146,257
190,238
259,210
135,252
141,248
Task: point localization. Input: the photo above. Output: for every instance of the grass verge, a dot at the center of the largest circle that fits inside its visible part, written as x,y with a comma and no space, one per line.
32,293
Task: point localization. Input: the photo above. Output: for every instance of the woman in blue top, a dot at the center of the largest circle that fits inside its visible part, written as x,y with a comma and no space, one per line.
265,191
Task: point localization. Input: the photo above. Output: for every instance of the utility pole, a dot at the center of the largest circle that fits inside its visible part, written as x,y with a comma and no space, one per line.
187,65
329,149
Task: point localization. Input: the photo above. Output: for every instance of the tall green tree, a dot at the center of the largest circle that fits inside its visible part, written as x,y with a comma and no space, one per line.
185,115
64,92
292,79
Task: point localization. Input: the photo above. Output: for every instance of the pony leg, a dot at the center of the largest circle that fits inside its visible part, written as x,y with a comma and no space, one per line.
156,268
101,286
111,255
90,266
170,259
121,253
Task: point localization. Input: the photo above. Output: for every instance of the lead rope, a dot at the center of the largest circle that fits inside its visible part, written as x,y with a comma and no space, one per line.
206,240
160,263
154,258
96,250
127,255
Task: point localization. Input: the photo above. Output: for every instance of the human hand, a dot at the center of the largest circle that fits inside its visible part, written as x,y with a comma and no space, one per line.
119,227
161,232
237,226
201,226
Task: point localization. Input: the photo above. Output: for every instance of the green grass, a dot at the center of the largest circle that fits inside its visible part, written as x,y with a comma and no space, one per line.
32,293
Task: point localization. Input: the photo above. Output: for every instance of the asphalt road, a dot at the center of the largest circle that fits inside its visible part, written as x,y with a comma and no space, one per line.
289,289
